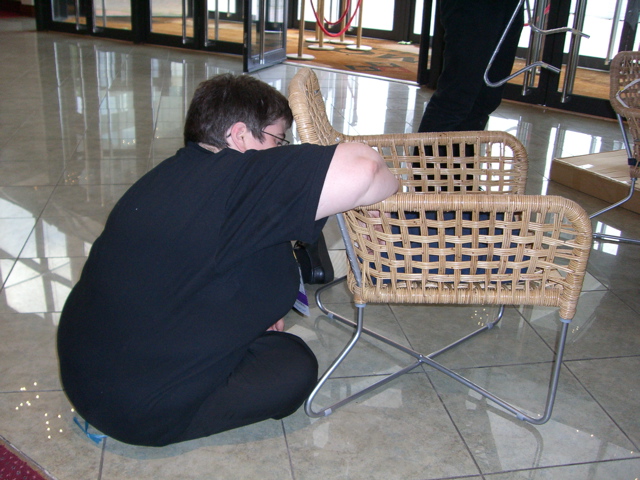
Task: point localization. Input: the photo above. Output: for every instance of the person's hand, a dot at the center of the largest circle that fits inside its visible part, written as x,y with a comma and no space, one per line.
277,327
377,228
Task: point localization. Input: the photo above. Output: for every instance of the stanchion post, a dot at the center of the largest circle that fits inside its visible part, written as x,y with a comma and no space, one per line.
358,45
300,55
321,45
321,14
315,39
342,40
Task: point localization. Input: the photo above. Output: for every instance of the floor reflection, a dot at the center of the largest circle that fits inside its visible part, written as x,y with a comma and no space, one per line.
83,118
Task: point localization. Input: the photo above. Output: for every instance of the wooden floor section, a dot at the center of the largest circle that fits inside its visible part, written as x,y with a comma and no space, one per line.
602,175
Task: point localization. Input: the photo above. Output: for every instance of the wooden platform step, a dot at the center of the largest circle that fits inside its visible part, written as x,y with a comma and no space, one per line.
601,175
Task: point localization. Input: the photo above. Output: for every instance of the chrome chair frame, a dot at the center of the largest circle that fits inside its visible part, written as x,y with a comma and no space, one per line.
567,308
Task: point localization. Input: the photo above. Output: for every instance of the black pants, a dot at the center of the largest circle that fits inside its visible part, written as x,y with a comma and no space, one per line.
273,380
462,100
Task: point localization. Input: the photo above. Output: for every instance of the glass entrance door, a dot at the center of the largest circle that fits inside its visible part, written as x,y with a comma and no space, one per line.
399,20
582,85
224,21
266,33
70,14
215,25
174,18
255,29
112,14
110,18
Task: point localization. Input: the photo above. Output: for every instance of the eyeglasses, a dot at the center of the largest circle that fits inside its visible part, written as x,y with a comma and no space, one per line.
279,141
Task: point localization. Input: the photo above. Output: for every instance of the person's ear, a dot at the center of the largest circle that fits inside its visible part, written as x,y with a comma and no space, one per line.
237,136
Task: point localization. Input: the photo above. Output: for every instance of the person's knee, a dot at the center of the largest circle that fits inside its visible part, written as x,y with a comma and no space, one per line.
307,374
298,373
302,365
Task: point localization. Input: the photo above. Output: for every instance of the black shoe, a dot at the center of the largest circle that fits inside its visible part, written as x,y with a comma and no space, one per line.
314,261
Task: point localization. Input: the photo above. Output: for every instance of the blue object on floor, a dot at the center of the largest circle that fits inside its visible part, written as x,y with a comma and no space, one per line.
94,437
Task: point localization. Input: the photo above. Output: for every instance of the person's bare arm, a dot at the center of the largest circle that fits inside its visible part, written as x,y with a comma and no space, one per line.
357,176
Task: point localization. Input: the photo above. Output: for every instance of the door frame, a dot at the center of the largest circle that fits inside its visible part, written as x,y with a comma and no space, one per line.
253,61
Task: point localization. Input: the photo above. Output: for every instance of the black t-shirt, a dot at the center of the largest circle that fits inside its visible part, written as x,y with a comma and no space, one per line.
195,262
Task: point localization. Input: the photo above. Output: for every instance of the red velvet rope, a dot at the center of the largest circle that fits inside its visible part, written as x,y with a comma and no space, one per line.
346,27
342,17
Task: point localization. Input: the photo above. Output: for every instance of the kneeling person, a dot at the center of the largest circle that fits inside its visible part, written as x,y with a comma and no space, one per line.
174,330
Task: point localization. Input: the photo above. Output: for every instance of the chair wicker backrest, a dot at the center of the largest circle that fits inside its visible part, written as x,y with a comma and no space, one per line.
470,249
624,95
488,162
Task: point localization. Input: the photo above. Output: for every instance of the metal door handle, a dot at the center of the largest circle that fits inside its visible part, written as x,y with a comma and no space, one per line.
575,32
574,51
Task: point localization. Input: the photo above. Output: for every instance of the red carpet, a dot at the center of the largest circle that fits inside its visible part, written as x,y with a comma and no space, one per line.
8,14
16,466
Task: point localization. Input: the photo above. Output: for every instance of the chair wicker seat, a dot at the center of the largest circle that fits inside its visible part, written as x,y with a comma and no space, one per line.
527,259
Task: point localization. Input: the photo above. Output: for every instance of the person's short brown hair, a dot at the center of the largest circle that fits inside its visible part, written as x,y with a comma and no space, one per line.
225,99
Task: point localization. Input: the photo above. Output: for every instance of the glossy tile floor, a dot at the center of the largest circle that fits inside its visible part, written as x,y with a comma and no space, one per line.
81,119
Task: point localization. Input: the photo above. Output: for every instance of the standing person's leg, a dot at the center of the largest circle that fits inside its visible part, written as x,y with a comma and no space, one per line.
470,37
489,98
275,377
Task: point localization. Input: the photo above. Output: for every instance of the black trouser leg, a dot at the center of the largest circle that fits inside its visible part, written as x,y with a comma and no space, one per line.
275,377
462,100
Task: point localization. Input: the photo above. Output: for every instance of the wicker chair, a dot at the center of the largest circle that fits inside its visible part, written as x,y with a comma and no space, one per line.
449,247
624,95
462,249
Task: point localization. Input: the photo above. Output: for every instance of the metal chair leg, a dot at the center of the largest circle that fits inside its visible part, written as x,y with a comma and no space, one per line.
428,360
519,413
308,406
